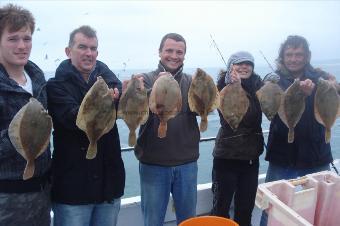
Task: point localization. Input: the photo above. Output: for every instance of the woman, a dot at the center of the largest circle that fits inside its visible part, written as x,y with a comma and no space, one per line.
236,153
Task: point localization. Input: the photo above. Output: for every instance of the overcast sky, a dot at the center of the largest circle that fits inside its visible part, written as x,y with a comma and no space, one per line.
129,32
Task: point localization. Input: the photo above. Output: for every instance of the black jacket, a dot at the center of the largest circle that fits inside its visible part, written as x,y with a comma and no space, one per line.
309,148
246,143
75,179
12,164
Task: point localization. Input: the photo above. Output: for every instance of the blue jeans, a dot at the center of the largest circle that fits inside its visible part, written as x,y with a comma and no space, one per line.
104,214
276,172
156,184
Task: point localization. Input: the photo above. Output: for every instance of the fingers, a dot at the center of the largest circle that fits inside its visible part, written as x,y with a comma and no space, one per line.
307,86
114,94
234,76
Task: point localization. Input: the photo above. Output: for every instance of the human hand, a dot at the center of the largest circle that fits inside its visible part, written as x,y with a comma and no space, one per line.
234,76
114,94
307,86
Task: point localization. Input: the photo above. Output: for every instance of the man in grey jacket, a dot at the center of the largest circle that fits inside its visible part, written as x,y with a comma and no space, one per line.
169,164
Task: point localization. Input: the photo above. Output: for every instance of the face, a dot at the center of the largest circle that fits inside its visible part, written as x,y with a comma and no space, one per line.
83,53
15,47
172,54
243,69
295,59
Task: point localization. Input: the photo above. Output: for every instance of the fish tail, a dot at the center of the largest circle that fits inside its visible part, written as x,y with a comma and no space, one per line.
91,151
162,130
291,135
327,135
203,124
132,138
29,170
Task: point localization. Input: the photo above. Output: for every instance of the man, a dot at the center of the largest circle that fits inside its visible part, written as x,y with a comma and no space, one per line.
308,153
84,192
22,202
169,164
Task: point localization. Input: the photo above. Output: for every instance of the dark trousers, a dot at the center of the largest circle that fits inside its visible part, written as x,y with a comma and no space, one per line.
238,178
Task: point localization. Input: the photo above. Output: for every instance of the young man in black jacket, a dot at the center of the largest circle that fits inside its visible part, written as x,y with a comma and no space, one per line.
84,191
22,202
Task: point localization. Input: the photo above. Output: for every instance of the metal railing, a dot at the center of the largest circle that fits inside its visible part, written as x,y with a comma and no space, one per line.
204,139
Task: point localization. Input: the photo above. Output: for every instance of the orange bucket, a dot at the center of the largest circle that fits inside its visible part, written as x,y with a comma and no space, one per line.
208,221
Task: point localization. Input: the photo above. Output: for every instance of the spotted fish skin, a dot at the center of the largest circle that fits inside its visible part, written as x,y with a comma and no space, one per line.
165,101
270,95
292,107
96,115
134,107
326,105
29,132
234,104
203,96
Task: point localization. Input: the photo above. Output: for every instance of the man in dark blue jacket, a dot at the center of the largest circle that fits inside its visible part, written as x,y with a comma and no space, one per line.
22,202
84,191
309,153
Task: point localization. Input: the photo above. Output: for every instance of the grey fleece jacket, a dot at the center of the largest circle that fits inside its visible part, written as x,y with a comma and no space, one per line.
181,144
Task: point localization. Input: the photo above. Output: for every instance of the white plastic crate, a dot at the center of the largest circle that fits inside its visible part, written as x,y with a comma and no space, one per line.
310,200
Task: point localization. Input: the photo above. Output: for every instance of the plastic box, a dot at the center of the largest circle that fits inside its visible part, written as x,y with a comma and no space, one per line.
310,200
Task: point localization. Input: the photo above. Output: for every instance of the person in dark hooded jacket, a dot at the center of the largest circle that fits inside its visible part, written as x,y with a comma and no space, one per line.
236,153
309,153
22,202
84,191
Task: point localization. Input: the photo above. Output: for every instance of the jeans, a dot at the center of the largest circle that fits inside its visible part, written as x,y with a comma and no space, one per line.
157,182
104,214
276,172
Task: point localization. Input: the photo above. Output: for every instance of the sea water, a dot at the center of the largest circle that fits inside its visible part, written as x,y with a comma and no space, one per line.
205,160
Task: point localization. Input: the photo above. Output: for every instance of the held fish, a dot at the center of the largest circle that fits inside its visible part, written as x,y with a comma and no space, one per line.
29,132
203,96
96,115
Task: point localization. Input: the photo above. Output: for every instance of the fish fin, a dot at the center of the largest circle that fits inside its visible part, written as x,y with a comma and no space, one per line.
91,151
162,130
145,115
29,170
204,123
217,100
327,135
132,138
291,135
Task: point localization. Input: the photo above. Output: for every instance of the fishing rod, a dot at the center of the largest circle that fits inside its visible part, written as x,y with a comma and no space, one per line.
334,167
267,61
215,45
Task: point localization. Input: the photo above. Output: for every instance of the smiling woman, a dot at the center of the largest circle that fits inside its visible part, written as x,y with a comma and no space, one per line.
130,29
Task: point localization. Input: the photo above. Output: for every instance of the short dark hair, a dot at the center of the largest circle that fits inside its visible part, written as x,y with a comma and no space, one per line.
15,17
293,41
174,36
85,30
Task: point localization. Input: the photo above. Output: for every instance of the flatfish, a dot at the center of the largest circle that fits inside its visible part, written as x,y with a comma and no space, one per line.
134,107
29,132
292,107
326,105
165,100
270,95
234,104
96,115
203,96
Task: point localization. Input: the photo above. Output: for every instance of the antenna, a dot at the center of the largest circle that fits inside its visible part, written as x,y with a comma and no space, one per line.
267,61
215,45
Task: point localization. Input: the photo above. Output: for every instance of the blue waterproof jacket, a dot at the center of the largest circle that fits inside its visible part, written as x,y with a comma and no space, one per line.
309,148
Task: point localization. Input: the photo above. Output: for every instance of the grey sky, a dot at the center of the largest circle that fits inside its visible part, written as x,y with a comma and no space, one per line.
129,32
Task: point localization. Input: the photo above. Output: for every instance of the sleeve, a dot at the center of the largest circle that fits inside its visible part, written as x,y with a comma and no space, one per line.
6,147
62,106
221,80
